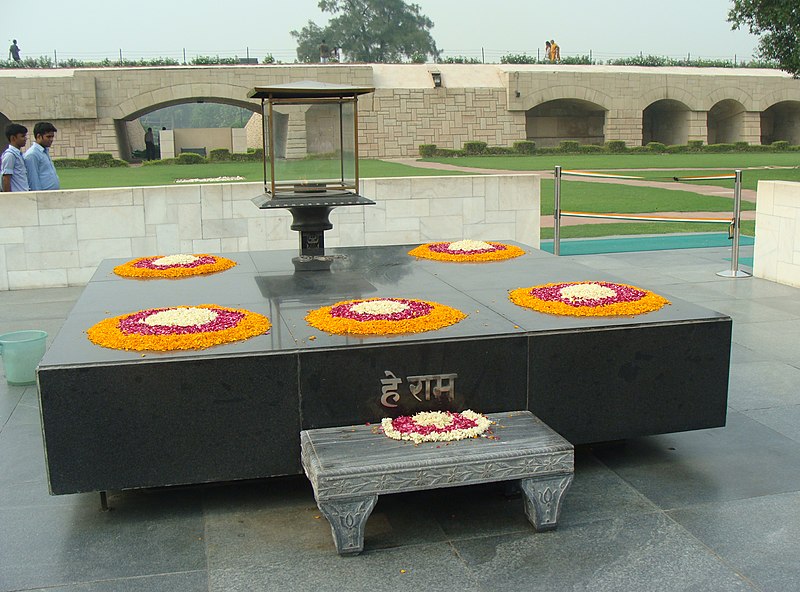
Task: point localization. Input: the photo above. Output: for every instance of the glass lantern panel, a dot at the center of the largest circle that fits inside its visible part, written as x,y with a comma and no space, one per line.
314,144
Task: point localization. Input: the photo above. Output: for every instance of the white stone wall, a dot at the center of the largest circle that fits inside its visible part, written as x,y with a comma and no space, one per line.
57,238
776,254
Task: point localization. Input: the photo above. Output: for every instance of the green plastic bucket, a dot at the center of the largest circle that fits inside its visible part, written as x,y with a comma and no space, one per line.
21,352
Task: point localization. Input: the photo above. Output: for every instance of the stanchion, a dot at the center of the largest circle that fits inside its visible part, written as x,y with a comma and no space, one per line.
734,271
557,211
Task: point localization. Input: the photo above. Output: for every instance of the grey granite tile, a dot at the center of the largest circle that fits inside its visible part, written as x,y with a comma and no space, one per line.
597,493
740,353
761,536
10,396
189,581
27,495
21,454
776,339
748,311
24,415
28,297
67,545
760,385
37,310
785,420
431,568
720,464
643,553
285,521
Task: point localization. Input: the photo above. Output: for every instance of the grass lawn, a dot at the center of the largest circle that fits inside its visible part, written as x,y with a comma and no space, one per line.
140,176
607,198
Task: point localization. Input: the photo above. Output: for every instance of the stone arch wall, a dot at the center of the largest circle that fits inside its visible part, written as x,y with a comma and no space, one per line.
551,122
781,122
726,121
665,121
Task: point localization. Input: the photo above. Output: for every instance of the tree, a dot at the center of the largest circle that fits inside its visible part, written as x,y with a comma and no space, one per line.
778,24
370,31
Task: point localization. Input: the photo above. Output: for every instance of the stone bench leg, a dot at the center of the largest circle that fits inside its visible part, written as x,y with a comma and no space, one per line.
347,518
543,498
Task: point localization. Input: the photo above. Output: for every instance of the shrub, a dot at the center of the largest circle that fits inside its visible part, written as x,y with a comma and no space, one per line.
100,159
656,147
615,146
569,146
590,148
449,152
719,148
524,147
638,150
220,155
677,149
95,160
475,148
498,150
741,146
70,163
190,158
427,150
695,145
780,145
161,161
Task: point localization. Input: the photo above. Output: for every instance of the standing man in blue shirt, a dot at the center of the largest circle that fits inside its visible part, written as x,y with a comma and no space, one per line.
12,164
41,172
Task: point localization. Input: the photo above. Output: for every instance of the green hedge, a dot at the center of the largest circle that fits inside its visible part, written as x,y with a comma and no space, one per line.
528,148
95,160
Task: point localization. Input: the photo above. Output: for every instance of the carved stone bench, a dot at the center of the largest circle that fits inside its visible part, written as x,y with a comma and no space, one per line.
349,467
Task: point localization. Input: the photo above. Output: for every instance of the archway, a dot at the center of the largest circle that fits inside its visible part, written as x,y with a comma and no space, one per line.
781,122
197,125
665,121
565,119
4,121
725,122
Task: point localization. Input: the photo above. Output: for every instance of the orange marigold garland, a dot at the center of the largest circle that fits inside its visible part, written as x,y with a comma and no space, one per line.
588,299
173,266
383,316
466,251
178,327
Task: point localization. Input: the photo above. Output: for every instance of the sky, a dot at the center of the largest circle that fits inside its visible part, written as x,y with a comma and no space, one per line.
95,29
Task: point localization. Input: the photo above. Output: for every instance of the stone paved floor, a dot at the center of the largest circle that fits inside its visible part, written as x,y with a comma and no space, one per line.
710,510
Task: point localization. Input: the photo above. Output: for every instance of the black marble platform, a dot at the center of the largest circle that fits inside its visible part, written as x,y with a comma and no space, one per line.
118,420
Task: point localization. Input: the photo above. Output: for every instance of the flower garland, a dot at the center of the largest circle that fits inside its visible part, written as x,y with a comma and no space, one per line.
469,251
588,299
383,316
178,327
436,426
173,266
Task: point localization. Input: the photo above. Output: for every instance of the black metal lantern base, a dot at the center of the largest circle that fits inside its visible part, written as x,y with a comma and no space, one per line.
311,218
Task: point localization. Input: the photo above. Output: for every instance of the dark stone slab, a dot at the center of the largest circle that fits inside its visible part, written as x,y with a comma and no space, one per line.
165,423
115,419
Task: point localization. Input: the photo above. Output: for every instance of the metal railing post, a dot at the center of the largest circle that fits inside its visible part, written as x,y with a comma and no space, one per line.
734,271
557,211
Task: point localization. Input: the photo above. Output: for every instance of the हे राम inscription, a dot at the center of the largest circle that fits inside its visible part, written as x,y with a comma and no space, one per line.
422,387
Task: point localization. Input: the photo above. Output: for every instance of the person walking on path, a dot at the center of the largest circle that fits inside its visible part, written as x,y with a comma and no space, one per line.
12,164
324,52
41,171
13,51
555,51
149,145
